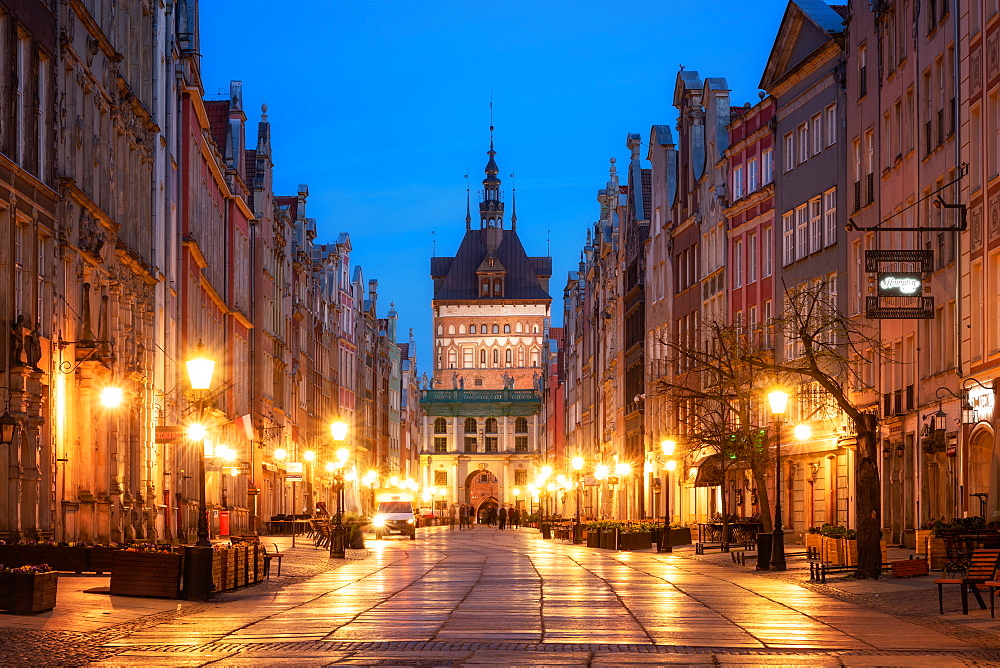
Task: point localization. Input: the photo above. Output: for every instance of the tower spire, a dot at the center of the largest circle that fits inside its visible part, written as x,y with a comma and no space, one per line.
513,203
491,208
468,205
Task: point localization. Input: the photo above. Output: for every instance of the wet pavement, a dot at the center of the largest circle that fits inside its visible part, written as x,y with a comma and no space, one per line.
485,597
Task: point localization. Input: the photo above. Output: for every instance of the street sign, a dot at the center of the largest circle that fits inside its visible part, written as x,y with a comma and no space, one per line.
293,472
169,434
591,481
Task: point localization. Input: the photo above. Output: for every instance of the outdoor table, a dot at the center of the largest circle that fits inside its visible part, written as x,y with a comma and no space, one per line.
737,532
284,527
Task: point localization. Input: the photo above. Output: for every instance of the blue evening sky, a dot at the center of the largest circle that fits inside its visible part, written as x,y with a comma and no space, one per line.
382,108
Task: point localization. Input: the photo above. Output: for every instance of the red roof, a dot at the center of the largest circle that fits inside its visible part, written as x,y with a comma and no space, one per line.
218,122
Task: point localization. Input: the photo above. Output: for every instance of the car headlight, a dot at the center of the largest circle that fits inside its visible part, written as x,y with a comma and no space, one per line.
379,521
409,521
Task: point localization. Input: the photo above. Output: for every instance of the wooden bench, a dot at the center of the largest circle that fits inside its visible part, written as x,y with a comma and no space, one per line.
909,568
818,571
982,569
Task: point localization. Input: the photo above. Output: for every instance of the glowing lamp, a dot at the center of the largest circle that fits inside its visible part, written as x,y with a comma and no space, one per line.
802,431
111,397
339,430
578,463
280,453
668,447
623,468
197,432
309,455
330,466
778,400
200,369
343,454
670,465
600,471
234,471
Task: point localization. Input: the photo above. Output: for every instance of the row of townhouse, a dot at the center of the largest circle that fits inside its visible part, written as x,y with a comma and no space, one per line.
873,153
139,230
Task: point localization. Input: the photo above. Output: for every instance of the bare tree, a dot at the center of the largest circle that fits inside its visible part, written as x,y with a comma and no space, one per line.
822,346
717,388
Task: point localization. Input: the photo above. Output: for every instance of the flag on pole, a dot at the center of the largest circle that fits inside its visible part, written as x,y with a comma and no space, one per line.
244,423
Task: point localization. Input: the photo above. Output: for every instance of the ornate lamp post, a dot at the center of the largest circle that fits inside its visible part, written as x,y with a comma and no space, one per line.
778,400
667,446
578,464
339,432
200,369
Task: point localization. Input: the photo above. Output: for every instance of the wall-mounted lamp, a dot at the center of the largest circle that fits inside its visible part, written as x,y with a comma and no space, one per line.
900,449
886,451
8,423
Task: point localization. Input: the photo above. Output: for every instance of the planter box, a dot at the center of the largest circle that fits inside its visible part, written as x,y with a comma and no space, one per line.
26,593
814,542
609,540
59,557
635,541
593,538
936,553
101,558
831,550
156,574
921,537
678,536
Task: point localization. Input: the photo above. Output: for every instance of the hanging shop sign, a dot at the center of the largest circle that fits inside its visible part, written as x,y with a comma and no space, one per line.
898,280
293,472
169,434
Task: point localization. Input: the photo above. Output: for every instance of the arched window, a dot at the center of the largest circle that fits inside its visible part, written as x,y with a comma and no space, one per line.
451,329
470,425
506,329
510,356
518,328
521,425
520,356
496,329
534,329
452,357
496,357
472,329
534,357
482,357
440,426
491,425
461,329
440,330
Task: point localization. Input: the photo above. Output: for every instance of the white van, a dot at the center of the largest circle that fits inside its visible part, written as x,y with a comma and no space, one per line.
395,517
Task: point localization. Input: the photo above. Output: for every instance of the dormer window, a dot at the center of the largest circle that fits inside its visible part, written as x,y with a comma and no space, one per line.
484,287
497,287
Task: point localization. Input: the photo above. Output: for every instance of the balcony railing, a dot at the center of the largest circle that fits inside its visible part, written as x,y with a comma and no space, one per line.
479,396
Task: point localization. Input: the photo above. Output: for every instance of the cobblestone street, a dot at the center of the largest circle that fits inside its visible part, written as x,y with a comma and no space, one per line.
490,597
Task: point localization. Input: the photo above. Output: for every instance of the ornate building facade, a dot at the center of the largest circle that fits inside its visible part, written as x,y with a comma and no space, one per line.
483,424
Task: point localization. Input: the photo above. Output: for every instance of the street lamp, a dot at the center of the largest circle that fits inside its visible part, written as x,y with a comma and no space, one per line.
200,369
667,446
778,400
578,464
337,547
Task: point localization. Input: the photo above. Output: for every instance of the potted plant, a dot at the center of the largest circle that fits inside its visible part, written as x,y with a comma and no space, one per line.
146,570
28,589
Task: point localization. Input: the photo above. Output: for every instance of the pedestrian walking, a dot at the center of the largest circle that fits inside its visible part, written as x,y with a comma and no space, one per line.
502,518
452,516
514,517
463,517
493,516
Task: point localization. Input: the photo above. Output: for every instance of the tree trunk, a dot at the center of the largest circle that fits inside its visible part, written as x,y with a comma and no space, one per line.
763,499
869,502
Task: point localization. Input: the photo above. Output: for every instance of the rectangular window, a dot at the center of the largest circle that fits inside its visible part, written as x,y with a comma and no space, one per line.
767,252
802,138
22,69
752,259
788,238
815,224
789,152
801,232
441,478
470,443
767,170
520,444
738,263
830,217
520,478
831,125
492,444
817,133
43,117
752,176
862,70
440,444
737,183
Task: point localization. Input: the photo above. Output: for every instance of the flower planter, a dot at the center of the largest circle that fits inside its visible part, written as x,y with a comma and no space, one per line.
642,540
936,553
593,538
59,557
814,542
155,574
101,558
678,536
609,539
26,593
922,535
832,550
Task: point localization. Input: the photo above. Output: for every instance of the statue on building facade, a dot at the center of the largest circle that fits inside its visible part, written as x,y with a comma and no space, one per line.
33,346
17,341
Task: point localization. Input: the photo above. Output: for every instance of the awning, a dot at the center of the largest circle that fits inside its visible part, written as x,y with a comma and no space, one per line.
709,471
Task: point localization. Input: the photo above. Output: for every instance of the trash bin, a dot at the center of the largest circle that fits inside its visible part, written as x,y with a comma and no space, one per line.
223,522
546,530
764,551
